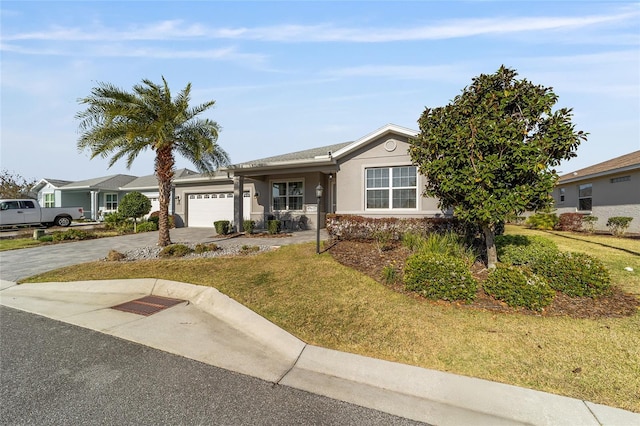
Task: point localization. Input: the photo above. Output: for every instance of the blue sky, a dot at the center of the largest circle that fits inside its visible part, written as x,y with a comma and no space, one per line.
288,76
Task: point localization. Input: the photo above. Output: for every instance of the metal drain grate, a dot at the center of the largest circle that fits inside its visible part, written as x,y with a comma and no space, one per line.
147,305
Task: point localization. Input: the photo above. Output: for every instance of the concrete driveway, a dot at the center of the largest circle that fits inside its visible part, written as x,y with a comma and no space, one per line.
18,264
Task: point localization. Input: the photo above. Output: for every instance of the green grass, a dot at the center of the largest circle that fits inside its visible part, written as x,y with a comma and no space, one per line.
327,304
18,243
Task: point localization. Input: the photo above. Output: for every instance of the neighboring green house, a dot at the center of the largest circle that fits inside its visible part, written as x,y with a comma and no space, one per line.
604,190
48,192
97,196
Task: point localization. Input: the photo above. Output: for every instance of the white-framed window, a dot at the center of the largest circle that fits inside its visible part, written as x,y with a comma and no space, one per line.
584,197
111,201
562,193
49,200
287,195
391,187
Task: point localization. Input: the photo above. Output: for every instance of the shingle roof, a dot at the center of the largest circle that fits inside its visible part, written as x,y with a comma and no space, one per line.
58,182
112,182
307,154
151,181
624,162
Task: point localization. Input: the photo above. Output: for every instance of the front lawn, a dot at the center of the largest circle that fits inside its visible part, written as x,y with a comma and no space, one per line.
326,303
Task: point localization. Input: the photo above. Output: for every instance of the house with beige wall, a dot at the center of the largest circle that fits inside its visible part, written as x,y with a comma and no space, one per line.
372,177
604,190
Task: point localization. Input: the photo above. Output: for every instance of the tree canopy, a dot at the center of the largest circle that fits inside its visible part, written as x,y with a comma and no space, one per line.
134,205
123,124
12,185
491,152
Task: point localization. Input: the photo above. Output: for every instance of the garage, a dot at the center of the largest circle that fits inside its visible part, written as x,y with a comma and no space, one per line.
207,207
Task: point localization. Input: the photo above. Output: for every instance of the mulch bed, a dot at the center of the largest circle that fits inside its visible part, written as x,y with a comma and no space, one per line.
367,258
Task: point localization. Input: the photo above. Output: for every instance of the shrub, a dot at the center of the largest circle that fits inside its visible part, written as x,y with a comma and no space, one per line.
542,220
589,223
72,234
114,256
114,220
449,244
134,205
203,248
175,250
575,274
222,226
353,227
147,226
570,222
246,249
523,250
518,287
389,274
155,217
248,226
383,240
618,225
439,276
46,239
273,226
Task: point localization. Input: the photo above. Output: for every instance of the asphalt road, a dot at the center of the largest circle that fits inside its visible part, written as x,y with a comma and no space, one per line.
55,373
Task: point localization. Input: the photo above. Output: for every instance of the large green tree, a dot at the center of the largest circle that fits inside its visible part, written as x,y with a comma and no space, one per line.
123,124
491,151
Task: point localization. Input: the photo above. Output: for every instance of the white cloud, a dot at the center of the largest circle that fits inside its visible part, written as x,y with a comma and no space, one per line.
178,29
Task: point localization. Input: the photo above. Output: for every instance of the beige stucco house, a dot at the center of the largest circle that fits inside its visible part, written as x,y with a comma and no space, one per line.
604,190
372,176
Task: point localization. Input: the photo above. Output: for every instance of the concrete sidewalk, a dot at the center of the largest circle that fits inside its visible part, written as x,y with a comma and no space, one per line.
214,329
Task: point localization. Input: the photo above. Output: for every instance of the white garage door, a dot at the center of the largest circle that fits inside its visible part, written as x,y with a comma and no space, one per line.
207,207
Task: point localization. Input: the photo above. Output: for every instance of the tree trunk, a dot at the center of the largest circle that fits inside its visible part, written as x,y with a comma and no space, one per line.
489,238
164,173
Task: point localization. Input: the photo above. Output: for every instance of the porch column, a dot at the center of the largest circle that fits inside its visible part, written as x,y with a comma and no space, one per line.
94,205
238,202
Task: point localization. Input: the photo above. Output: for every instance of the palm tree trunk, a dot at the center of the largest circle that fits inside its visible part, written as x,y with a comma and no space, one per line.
164,173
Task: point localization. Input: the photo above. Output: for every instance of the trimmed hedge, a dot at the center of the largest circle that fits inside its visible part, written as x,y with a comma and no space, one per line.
522,249
438,276
570,222
353,227
618,225
248,226
273,226
519,287
574,274
222,226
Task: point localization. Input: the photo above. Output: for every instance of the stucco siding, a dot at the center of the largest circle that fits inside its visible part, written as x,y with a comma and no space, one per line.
387,151
612,195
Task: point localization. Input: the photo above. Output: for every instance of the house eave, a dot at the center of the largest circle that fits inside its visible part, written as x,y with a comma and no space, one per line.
258,169
577,178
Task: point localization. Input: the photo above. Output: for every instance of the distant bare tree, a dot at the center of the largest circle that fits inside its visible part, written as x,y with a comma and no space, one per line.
12,185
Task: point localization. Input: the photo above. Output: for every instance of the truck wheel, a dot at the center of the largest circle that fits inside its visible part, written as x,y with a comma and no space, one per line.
63,221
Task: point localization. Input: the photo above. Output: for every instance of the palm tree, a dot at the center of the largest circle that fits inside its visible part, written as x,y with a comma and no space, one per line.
124,124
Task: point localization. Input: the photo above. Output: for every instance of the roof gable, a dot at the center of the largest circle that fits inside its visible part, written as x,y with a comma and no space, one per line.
623,163
56,183
324,154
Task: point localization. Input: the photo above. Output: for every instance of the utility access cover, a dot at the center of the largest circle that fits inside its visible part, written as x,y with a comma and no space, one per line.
147,305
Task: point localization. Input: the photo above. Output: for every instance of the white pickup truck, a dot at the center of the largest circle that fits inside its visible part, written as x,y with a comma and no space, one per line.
28,212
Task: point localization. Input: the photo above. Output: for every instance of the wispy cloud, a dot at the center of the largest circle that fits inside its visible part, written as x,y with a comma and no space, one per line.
328,32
